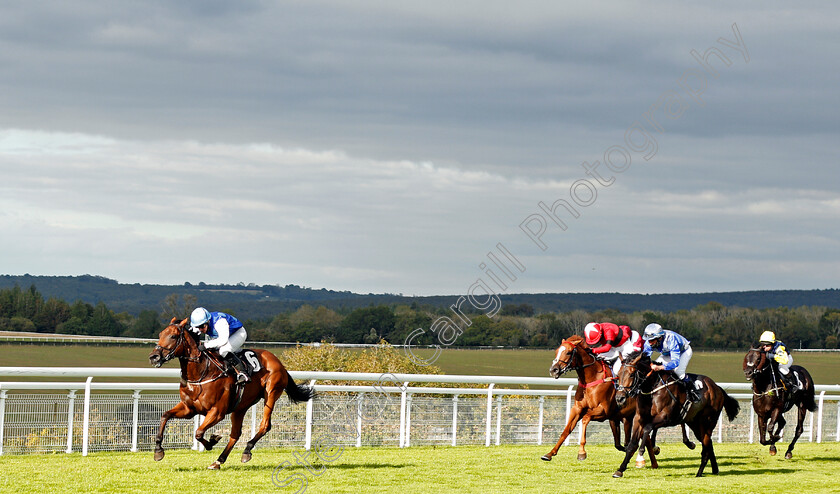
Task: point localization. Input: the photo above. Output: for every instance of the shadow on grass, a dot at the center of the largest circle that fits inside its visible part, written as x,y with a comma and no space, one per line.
269,468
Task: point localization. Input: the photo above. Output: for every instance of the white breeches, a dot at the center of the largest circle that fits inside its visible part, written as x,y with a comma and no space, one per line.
684,358
784,369
235,342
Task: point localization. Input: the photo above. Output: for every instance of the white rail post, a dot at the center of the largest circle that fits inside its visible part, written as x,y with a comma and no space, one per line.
408,421
454,419
811,427
837,433
308,441
540,423
2,417
71,408
752,423
488,429
254,420
720,429
568,412
498,420
820,417
197,446
135,420
86,418
403,402
359,420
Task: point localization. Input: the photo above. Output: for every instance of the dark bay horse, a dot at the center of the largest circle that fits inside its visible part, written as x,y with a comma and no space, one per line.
207,389
771,400
594,399
659,403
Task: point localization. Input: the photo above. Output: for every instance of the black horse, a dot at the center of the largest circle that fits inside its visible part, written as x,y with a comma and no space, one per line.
771,399
661,402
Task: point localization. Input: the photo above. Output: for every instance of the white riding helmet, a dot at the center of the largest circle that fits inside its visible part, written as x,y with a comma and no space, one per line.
199,317
592,333
653,331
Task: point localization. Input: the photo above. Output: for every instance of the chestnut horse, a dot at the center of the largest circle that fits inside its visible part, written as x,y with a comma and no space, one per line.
771,400
661,402
207,389
594,398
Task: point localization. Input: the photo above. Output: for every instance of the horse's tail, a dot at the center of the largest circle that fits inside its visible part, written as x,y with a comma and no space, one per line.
731,406
808,392
298,392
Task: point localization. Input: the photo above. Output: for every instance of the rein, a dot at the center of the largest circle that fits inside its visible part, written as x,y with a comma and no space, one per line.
182,337
762,369
583,384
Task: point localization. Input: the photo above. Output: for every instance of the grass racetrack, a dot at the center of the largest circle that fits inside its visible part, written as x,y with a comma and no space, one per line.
497,469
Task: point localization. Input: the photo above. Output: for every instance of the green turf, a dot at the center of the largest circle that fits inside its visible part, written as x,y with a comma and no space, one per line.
720,366
500,469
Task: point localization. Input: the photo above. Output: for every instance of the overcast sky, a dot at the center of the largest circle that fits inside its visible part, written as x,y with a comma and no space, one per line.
390,146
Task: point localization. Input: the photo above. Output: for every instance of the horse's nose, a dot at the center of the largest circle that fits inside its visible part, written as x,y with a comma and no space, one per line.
554,372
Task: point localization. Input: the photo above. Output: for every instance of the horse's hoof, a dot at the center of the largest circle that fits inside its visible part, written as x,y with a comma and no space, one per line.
640,463
656,450
159,454
246,457
215,438
618,474
215,466
690,445
545,458
772,451
581,456
788,455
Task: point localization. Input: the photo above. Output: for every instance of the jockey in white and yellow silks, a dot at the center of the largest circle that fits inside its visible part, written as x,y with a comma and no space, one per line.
777,352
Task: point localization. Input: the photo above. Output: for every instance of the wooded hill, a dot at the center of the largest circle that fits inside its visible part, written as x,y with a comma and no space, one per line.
263,301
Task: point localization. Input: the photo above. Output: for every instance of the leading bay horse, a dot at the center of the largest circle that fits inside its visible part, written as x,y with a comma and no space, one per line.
771,400
660,400
594,398
207,389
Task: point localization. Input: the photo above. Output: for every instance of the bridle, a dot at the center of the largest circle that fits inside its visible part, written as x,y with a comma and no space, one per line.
166,357
638,380
572,354
760,366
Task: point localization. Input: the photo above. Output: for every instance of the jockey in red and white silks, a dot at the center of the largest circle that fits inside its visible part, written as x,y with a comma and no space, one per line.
613,340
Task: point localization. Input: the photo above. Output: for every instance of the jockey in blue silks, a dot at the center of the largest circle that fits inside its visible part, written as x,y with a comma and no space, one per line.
675,353
224,332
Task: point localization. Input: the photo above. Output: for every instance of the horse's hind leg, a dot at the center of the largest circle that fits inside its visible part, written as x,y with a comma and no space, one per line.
265,424
179,411
236,419
800,419
707,452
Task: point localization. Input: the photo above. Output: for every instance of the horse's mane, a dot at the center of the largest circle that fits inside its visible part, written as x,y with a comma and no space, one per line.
645,358
577,340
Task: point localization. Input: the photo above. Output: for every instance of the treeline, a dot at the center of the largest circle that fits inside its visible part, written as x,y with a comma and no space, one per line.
711,325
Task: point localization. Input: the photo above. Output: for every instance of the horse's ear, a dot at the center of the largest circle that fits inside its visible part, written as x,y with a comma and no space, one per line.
620,358
183,323
174,319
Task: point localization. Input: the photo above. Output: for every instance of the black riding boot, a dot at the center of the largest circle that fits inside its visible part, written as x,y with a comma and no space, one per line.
239,366
690,390
790,383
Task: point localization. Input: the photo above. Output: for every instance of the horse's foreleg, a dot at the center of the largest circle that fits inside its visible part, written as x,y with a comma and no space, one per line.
213,417
582,450
236,419
616,431
631,446
688,442
575,415
800,419
179,411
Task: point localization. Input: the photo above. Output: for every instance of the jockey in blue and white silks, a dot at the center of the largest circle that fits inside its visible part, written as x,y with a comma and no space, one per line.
675,353
225,332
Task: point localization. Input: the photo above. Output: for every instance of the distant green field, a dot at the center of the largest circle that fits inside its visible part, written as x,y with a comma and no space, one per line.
463,469
720,366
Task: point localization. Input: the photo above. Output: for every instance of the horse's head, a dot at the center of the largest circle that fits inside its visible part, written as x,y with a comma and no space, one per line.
754,362
568,356
172,343
633,372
